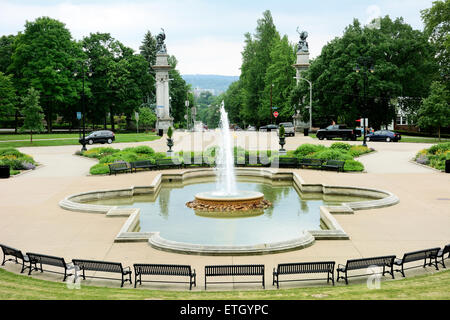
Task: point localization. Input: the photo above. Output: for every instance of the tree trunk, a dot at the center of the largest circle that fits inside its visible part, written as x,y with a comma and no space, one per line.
49,118
31,137
111,118
439,133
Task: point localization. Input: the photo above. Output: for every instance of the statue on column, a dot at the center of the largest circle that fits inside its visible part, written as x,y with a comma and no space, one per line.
160,45
303,44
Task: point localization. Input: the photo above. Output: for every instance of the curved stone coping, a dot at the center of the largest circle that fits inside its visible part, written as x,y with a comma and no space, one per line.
333,230
305,240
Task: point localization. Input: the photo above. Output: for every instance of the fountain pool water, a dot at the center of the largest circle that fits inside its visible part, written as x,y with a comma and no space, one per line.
227,197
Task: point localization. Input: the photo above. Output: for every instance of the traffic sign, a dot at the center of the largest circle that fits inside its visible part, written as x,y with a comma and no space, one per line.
275,114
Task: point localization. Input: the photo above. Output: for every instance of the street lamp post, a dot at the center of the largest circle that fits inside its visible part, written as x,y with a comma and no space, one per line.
84,71
271,108
365,65
310,100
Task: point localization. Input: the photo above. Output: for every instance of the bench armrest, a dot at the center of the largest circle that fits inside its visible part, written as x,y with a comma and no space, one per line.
127,268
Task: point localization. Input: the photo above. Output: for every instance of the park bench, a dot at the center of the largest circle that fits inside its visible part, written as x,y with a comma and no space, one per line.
442,253
121,166
36,258
195,161
354,264
164,270
301,268
234,270
142,164
417,256
287,162
307,162
103,266
166,163
337,165
17,254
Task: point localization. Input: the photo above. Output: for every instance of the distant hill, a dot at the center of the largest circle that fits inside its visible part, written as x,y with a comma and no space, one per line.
216,83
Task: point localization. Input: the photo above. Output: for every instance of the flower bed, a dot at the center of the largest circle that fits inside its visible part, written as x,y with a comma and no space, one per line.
16,160
434,156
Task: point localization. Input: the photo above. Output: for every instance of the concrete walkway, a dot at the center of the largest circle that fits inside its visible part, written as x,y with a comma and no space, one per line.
30,218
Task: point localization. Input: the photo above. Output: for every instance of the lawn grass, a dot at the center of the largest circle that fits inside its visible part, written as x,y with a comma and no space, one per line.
63,139
424,287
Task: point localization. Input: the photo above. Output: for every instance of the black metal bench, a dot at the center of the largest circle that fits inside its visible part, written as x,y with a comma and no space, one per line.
442,253
307,162
195,161
164,270
119,167
36,258
103,266
337,165
167,164
287,162
417,256
303,267
142,164
354,264
235,270
17,254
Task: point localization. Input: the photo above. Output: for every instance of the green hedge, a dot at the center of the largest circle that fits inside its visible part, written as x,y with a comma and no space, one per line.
16,160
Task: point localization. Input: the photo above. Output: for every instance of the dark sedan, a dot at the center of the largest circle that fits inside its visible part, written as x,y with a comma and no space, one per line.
103,136
269,128
383,135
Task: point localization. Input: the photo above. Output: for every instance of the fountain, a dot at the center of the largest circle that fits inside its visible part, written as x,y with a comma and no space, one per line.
226,197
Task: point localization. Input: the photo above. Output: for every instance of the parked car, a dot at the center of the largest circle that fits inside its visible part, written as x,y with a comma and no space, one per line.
338,131
251,128
268,128
383,135
103,136
289,129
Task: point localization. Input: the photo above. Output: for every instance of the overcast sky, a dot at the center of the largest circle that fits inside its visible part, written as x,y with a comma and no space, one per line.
206,36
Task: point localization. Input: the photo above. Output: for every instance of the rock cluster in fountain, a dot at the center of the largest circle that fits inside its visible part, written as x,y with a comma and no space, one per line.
230,206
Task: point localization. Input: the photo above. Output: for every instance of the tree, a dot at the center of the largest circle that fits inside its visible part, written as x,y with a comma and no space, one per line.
43,58
147,118
7,95
437,28
6,52
148,51
32,113
435,111
403,63
179,92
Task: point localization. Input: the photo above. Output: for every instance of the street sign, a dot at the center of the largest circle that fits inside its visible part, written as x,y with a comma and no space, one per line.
79,115
275,114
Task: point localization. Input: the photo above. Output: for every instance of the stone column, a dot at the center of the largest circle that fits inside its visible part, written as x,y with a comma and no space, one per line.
162,67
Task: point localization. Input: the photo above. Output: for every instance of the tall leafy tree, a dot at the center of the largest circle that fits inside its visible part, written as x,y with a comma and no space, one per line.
32,113
437,28
435,110
43,57
6,52
148,51
179,92
7,95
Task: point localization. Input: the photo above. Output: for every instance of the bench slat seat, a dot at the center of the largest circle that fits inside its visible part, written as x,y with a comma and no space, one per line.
142,164
308,162
17,254
425,254
235,270
103,266
119,167
304,267
167,164
364,263
41,259
337,165
164,270
288,162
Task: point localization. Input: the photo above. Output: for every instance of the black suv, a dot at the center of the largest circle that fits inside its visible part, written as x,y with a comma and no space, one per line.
103,136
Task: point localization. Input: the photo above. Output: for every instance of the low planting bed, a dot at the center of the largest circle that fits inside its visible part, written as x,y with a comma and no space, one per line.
16,160
435,156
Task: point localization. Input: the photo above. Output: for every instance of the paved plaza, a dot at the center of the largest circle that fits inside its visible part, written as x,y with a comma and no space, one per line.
32,220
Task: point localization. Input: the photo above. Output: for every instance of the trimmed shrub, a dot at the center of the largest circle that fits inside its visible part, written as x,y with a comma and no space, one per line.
353,165
332,154
100,168
307,149
341,146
